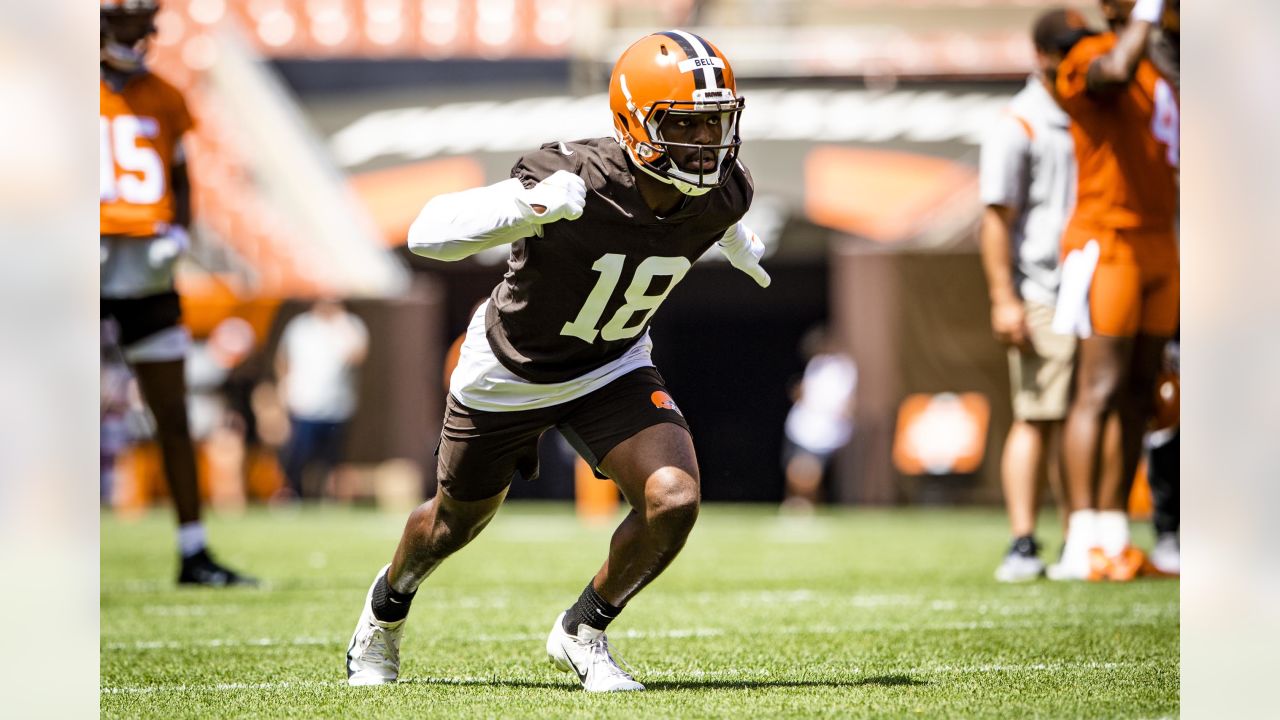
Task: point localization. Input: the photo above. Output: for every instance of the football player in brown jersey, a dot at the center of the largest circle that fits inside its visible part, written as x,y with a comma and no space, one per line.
144,210
601,230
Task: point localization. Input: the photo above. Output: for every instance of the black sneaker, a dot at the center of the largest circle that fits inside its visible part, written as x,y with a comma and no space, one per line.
1022,563
201,569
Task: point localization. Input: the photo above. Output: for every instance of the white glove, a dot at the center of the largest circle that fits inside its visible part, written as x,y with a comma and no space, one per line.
170,242
743,249
1147,11
562,197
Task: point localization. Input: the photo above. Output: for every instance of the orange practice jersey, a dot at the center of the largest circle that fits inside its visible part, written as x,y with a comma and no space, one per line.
1126,144
139,128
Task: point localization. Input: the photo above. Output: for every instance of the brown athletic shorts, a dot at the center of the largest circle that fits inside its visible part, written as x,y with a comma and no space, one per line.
481,451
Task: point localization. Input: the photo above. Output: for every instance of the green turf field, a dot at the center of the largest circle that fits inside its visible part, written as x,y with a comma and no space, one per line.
852,614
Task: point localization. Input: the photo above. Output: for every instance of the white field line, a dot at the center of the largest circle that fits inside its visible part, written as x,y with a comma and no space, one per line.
676,634
498,602
219,687
765,598
220,643
671,674
313,641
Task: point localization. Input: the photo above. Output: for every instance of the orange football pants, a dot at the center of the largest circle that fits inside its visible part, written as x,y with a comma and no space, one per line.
1135,286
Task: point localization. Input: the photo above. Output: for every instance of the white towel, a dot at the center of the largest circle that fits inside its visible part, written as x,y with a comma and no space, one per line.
1071,317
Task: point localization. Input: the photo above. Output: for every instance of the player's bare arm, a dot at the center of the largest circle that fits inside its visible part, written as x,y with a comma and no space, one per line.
1008,317
1117,67
180,181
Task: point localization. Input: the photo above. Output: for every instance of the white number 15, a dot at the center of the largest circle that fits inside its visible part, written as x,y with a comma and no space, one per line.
143,182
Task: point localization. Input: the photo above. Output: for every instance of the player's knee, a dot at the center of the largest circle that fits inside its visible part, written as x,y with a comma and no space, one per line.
449,525
1099,392
671,498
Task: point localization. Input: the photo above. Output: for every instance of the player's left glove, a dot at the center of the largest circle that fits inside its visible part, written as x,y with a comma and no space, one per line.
170,242
743,249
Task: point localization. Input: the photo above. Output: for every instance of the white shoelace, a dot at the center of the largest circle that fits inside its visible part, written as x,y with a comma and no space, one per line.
602,650
377,644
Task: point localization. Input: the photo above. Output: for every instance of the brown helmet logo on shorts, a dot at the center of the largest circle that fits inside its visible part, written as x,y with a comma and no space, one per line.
662,400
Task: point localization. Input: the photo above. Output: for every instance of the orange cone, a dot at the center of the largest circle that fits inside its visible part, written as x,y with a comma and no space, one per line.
596,500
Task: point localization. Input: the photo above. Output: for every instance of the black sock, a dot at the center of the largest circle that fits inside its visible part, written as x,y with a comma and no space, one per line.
389,605
590,610
1026,545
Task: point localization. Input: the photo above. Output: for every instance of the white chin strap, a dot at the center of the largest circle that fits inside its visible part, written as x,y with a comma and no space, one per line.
690,190
683,186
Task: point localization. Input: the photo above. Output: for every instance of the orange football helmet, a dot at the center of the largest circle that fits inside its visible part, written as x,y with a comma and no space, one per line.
125,29
673,73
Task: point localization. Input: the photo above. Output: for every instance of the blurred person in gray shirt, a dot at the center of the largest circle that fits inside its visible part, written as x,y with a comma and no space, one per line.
1028,179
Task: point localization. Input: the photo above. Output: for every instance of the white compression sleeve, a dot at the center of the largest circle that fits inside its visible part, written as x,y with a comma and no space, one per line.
457,225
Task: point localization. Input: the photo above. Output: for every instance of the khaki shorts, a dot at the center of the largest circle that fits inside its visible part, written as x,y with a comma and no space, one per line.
1041,375
481,451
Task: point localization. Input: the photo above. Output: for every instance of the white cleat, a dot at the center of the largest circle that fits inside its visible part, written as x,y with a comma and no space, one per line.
1166,556
1019,568
373,657
588,656
1071,566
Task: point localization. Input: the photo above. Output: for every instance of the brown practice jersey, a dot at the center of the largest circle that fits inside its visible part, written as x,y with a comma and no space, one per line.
139,129
579,295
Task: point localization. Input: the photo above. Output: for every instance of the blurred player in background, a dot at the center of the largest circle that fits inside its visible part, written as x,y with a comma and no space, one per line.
145,210
1028,183
1120,275
601,232
821,420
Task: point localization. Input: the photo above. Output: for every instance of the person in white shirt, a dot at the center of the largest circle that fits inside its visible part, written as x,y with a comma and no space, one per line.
1027,179
320,353
821,420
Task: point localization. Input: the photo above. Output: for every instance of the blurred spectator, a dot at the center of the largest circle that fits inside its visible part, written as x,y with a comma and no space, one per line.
821,420
320,352
1028,184
144,213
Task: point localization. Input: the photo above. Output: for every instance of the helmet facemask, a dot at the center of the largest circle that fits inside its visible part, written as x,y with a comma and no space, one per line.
659,156
125,32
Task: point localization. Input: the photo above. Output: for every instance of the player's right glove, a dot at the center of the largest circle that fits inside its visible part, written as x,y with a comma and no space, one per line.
559,197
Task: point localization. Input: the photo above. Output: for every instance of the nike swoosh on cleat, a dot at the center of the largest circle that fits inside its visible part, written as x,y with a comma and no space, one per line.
564,150
581,675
